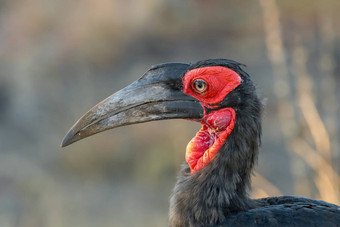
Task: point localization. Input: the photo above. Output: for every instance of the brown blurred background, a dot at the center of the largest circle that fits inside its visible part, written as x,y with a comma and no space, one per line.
59,58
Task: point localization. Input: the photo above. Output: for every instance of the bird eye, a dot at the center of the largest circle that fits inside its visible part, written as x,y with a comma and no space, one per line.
199,86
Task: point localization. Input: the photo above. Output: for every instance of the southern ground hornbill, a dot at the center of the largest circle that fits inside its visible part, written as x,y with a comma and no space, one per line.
213,183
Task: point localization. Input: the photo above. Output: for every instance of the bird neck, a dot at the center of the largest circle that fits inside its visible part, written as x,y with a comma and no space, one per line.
209,195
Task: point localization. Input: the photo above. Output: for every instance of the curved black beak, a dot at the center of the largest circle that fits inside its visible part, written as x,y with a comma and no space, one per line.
157,95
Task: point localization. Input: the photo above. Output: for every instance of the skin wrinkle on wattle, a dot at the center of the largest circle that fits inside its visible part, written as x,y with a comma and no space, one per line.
216,127
218,124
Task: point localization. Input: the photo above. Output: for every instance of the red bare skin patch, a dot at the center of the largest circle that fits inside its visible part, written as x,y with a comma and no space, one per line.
216,127
220,81
218,124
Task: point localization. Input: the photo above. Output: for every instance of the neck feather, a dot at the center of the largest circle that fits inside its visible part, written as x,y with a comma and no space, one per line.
207,196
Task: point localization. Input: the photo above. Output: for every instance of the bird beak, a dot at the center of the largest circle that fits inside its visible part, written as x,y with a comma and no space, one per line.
157,95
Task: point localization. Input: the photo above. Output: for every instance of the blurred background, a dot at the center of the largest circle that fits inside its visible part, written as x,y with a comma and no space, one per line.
59,58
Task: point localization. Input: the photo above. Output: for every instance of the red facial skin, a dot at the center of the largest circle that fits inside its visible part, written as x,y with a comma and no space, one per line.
220,80
218,124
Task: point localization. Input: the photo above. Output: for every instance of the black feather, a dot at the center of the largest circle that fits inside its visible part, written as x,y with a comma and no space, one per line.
217,195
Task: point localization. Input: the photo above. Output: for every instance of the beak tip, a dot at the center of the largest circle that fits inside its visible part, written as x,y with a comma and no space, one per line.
63,144
69,138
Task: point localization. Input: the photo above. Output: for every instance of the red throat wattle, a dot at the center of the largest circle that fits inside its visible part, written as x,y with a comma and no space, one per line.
217,125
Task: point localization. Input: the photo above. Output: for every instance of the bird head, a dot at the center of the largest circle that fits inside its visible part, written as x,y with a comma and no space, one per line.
212,92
